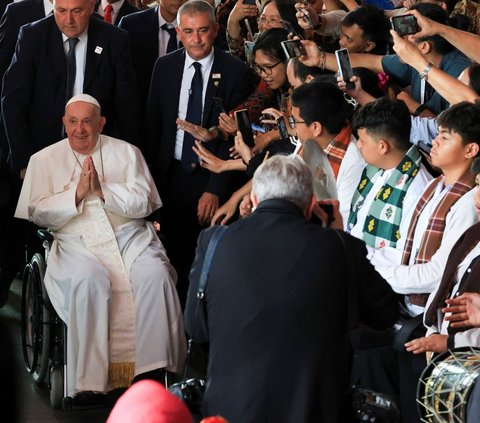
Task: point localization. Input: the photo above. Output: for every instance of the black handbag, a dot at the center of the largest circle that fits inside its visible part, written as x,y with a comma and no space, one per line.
191,390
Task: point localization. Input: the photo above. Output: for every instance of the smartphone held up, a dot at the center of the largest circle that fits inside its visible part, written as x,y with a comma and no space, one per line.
245,126
293,48
405,25
344,67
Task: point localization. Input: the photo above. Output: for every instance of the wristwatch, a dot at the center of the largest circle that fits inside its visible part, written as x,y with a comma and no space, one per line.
217,131
424,75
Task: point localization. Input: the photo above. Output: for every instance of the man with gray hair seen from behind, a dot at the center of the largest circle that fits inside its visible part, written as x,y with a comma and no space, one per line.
108,275
276,296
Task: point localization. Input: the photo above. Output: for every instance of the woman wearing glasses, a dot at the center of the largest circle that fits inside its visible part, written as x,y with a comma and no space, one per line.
273,14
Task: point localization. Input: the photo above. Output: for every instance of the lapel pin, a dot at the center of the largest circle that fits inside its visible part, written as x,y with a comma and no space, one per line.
98,50
216,78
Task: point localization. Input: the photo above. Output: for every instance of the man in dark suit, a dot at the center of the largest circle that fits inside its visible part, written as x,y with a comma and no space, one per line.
189,192
150,38
34,91
278,300
35,85
113,11
12,244
16,15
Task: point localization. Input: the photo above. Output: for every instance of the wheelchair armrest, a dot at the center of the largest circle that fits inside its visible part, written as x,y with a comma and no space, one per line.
44,235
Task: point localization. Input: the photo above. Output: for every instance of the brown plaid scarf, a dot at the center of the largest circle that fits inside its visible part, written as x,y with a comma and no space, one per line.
337,148
432,237
461,249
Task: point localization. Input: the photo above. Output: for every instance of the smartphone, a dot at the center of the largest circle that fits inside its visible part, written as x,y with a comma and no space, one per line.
250,2
248,48
282,128
328,209
290,29
249,29
258,128
424,147
267,126
405,24
218,105
344,67
307,18
244,126
293,48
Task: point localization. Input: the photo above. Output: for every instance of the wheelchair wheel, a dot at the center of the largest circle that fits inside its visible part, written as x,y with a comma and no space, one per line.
35,320
56,387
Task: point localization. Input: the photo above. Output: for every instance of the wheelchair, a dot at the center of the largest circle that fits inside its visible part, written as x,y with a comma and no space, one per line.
44,334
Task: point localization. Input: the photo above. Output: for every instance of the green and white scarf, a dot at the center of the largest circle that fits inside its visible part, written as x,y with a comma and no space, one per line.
382,224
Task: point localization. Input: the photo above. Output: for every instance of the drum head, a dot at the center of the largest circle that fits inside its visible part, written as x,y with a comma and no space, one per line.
445,385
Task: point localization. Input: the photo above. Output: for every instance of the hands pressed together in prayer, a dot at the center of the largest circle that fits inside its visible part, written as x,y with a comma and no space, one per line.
89,182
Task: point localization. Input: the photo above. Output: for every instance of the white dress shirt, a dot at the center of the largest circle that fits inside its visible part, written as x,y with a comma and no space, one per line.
48,7
164,36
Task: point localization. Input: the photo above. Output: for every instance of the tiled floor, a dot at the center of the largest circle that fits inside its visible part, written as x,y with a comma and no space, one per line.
33,400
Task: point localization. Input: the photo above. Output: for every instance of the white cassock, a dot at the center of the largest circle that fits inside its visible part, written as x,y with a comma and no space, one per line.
108,275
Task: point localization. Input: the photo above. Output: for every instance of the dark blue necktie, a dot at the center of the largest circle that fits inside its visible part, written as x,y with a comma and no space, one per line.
194,115
172,41
71,67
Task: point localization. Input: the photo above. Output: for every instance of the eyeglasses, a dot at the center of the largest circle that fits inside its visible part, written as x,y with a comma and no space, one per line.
293,123
267,69
262,20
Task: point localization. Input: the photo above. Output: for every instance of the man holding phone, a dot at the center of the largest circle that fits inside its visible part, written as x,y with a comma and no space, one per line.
312,106
437,52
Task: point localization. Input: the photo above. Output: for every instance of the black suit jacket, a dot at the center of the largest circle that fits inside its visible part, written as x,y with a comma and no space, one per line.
33,95
126,9
142,28
276,305
13,17
16,15
230,79
3,5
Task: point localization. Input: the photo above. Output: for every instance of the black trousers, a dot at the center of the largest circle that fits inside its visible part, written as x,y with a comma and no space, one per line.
18,240
179,221
395,373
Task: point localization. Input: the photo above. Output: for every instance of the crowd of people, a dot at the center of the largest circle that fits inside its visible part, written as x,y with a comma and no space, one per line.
352,213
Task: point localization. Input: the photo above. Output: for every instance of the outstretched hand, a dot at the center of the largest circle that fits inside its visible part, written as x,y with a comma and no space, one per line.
196,131
464,309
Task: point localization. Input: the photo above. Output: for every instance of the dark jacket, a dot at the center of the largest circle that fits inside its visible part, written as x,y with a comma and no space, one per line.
277,317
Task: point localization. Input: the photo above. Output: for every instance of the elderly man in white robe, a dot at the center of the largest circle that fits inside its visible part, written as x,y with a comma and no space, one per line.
108,275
